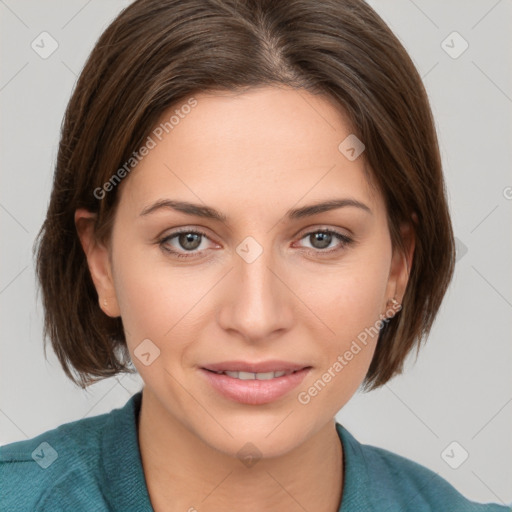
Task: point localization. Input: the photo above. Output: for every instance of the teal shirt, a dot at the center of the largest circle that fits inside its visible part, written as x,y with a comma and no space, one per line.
94,464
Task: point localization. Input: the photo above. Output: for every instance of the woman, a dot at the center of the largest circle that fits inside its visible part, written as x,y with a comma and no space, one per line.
248,205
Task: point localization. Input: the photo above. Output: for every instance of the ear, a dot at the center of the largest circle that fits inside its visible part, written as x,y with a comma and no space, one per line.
98,261
401,264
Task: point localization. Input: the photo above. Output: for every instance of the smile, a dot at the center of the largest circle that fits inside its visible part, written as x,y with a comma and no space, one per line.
254,388
255,376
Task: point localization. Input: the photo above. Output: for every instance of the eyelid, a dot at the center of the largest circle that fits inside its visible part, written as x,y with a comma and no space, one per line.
315,228
179,231
186,229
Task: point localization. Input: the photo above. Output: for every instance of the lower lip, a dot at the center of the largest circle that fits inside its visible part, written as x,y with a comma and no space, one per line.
254,392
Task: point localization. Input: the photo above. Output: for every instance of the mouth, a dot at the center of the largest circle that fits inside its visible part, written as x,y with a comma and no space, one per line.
262,367
256,375
254,383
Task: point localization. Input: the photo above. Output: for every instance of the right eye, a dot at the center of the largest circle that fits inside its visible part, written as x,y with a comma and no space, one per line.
188,240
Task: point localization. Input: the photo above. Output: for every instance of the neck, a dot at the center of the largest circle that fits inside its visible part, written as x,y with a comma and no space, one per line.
184,474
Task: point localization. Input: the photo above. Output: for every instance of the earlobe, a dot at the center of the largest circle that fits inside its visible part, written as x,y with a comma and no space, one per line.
98,262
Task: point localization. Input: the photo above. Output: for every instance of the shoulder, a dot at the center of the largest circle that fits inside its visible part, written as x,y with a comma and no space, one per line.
407,480
57,464
401,484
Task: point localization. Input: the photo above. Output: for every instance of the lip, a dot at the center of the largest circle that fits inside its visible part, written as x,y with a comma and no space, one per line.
254,392
273,365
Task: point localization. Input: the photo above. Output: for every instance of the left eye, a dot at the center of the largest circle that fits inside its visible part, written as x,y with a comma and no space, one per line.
323,238
190,242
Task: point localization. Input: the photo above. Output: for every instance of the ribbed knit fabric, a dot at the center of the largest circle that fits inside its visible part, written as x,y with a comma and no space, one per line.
94,464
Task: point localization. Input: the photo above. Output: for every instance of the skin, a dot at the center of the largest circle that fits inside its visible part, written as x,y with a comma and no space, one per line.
252,156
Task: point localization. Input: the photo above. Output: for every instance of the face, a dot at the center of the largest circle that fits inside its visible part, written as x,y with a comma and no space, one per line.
300,291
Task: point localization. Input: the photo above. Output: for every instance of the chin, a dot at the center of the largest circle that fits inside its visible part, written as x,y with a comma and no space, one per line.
267,435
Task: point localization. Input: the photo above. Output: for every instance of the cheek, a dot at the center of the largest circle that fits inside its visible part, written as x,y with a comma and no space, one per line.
148,301
162,303
349,299
345,356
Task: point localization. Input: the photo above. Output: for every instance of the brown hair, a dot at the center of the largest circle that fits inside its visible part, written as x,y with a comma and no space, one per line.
157,53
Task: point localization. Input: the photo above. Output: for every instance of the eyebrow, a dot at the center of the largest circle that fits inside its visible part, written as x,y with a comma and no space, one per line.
208,212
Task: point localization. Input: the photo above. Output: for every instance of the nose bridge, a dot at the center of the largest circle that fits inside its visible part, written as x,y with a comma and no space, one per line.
258,304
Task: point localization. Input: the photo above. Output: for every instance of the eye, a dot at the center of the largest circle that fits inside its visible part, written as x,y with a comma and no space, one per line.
187,240
322,239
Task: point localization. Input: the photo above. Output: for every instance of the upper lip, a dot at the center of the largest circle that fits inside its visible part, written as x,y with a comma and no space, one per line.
261,367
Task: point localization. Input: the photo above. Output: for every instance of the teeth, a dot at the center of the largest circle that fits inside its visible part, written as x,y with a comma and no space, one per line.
255,376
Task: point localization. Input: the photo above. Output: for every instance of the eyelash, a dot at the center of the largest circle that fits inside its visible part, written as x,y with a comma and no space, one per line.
344,239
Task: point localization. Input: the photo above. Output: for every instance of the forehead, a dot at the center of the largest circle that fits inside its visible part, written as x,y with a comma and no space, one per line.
268,146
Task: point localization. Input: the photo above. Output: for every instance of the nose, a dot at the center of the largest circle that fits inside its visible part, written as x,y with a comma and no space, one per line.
256,303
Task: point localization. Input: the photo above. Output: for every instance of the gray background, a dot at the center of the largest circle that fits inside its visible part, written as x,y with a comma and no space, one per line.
460,387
